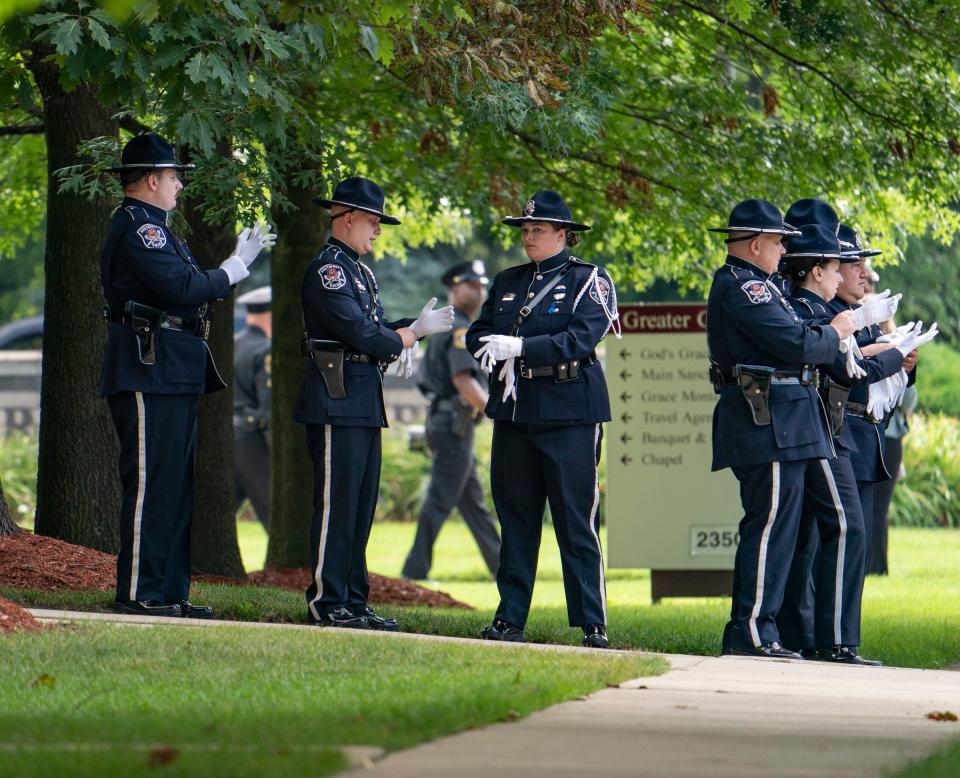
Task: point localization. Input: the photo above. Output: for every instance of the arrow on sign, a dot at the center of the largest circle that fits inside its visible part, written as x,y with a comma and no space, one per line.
625,374
624,354
625,438
626,459
625,396
626,418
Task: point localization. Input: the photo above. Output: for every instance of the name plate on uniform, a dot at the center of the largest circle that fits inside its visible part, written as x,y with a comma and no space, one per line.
665,509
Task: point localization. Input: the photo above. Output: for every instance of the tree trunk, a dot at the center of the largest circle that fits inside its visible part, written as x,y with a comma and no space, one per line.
78,490
7,525
300,233
214,546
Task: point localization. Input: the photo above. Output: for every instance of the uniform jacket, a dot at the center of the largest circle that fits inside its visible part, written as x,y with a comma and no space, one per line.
749,322
143,261
566,326
811,307
341,302
251,380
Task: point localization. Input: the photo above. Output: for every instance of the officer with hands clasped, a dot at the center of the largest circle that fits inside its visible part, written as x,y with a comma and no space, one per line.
252,397
448,378
155,364
820,616
348,343
538,330
768,425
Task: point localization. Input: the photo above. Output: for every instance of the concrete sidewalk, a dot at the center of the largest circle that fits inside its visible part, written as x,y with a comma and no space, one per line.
712,717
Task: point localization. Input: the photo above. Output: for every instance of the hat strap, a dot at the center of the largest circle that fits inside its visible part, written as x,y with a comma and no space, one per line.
342,213
753,235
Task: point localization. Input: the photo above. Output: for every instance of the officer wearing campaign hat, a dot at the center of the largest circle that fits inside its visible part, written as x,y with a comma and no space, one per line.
449,378
537,335
820,616
155,364
768,426
809,210
348,343
252,399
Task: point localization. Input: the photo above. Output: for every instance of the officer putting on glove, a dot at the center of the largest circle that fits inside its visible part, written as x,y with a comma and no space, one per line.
538,330
449,379
155,364
768,425
251,404
348,344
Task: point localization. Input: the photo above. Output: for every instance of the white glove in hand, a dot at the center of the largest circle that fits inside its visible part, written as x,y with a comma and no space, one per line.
235,269
915,340
849,347
898,387
878,398
509,378
486,359
251,241
878,308
405,363
503,346
431,321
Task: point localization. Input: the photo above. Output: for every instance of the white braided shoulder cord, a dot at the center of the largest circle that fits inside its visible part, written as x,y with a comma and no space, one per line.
613,317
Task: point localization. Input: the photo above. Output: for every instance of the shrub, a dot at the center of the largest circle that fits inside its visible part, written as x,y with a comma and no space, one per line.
929,493
938,379
18,473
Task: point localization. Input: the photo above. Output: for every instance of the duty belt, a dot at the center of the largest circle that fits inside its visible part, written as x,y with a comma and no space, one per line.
860,411
803,377
565,371
311,345
195,326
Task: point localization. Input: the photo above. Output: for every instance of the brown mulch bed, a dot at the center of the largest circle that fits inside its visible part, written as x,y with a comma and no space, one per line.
14,618
29,561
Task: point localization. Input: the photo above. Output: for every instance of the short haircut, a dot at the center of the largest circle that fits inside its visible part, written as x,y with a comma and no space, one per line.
130,177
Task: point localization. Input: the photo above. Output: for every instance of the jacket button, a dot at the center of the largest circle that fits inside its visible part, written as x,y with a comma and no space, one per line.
530,296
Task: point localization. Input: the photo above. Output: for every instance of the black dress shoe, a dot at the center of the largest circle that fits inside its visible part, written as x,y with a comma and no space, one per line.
768,650
502,630
343,618
844,655
148,608
380,623
595,636
191,611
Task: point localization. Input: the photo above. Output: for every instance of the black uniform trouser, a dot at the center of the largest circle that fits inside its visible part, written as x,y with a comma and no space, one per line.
158,438
251,470
882,495
346,479
531,464
821,604
453,484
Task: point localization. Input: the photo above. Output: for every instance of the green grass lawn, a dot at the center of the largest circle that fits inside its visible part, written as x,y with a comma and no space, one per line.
98,699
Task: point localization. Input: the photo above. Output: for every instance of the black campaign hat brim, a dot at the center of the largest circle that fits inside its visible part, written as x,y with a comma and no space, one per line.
151,166
763,230
519,221
384,219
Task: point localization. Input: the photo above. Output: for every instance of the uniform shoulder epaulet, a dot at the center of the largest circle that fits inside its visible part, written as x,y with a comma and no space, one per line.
805,301
733,271
578,261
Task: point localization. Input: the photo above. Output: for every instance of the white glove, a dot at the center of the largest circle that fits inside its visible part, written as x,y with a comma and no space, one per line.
915,340
849,347
503,346
405,363
431,321
251,241
509,378
896,337
878,308
485,356
235,269
898,387
878,398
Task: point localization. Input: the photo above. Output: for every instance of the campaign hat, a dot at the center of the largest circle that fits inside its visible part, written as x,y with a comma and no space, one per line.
358,194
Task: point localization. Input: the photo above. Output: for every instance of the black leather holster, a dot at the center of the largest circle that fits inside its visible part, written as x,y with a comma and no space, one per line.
328,356
835,398
146,323
754,382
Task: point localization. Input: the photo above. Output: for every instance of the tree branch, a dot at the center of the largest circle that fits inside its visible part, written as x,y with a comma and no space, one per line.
23,129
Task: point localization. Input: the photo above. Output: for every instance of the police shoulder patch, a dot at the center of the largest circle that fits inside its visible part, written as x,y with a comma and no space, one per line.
601,290
757,291
460,338
152,236
332,276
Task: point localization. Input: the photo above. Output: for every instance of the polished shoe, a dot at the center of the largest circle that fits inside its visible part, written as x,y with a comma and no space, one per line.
502,630
148,608
380,623
844,655
191,611
341,617
768,650
595,636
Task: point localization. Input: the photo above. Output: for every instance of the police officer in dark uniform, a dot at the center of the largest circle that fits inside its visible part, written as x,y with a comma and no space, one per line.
251,404
448,378
768,426
349,343
820,617
155,364
539,329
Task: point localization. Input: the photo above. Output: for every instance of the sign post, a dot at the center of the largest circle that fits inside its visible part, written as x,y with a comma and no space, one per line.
665,509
